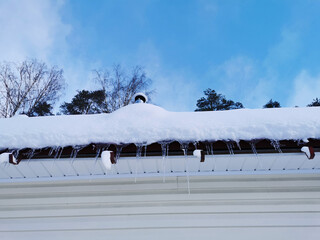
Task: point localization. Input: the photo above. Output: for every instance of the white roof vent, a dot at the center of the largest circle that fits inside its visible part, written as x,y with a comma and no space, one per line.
140,97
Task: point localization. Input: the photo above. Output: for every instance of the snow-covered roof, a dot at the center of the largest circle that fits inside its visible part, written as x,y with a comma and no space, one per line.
147,123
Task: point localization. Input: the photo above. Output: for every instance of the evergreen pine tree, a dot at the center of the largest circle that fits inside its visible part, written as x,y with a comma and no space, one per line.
85,102
215,102
272,104
315,103
41,109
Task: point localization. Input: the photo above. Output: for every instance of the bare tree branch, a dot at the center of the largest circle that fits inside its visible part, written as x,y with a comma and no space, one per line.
25,85
120,87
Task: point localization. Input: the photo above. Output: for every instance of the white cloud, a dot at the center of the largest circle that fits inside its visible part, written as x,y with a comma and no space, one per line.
35,29
306,88
285,51
254,82
240,67
30,28
239,78
176,89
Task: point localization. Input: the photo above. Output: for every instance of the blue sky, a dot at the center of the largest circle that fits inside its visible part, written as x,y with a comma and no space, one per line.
250,51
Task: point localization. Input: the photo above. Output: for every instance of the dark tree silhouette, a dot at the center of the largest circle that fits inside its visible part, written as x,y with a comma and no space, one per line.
315,103
272,104
215,102
85,102
41,109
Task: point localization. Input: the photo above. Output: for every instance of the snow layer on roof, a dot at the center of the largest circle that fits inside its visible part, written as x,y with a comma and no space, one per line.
146,123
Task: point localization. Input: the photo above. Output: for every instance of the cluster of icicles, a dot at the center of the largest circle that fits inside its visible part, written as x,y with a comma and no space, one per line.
141,149
56,152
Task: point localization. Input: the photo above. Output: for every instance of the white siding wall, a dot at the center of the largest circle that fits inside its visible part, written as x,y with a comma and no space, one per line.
221,207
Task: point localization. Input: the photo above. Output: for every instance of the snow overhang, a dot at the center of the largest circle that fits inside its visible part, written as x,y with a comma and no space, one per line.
146,124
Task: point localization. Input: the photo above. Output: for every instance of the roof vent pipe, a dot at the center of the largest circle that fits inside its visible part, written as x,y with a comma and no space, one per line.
140,98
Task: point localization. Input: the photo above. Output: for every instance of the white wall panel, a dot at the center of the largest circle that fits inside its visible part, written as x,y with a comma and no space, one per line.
222,207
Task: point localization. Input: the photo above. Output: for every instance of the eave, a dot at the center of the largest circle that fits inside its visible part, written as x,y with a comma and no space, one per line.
182,166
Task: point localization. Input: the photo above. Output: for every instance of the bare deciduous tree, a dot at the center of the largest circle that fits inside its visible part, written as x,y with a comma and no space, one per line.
26,85
120,87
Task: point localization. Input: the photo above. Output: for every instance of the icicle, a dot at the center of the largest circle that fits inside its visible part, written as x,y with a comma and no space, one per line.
31,153
238,144
230,147
98,147
59,151
97,154
253,147
145,150
75,152
73,155
254,150
165,148
209,148
139,149
276,145
165,151
184,147
119,149
138,156
53,149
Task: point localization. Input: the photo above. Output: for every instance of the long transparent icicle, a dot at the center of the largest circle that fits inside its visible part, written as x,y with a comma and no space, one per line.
209,148
138,156
276,145
184,148
254,150
164,151
231,153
